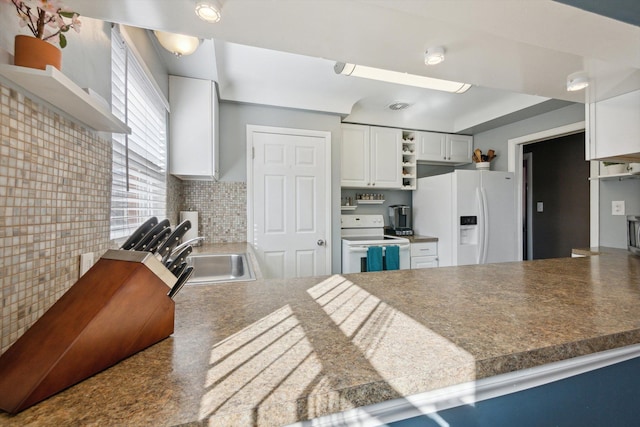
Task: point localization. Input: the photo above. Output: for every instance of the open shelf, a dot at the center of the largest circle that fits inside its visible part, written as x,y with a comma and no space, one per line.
370,202
617,176
52,86
348,208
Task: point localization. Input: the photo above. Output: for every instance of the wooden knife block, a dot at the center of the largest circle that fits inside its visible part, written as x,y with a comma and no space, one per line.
119,307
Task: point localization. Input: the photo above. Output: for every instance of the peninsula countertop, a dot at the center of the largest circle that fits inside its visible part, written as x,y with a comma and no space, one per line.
272,352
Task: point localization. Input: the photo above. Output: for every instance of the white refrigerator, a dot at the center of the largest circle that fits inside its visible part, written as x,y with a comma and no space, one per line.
472,213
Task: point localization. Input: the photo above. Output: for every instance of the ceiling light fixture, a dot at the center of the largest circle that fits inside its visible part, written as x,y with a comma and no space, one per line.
398,105
434,55
577,81
178,44
209,10
400,78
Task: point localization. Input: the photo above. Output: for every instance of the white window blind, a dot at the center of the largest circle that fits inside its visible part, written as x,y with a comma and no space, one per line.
138,190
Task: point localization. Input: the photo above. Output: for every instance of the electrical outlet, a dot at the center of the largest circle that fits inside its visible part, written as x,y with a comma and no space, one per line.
617,207
86,262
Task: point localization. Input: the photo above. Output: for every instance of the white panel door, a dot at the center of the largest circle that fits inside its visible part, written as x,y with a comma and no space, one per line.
290,204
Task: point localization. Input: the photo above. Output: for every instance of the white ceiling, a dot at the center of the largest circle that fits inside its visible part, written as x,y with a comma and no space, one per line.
517,53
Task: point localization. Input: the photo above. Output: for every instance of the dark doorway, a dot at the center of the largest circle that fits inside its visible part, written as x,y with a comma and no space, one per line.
558,208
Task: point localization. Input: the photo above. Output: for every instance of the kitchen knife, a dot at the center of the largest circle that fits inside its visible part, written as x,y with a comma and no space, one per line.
181,281
165,249
158,240
144,242
179,269
181,257
139,233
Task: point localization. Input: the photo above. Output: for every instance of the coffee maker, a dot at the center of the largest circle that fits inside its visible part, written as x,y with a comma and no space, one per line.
400,220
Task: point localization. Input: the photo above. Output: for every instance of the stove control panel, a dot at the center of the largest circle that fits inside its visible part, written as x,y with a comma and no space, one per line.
361,221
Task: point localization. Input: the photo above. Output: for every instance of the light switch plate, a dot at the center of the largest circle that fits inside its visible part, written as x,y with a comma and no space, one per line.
617,207
540,206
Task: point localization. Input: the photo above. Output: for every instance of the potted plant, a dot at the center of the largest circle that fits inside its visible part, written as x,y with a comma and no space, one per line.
48,21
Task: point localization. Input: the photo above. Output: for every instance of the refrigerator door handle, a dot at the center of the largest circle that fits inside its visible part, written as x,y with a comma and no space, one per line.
485,226
481,229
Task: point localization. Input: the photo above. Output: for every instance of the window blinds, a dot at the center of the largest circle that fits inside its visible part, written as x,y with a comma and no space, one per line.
138,190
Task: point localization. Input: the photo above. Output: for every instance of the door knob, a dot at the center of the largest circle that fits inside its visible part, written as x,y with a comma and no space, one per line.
320,242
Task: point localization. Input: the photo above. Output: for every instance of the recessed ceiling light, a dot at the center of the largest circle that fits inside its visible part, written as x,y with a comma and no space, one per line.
400,78
398,105
209,10
434,55
577,81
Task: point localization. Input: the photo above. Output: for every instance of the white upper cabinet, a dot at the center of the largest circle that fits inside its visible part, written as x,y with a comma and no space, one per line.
440,148
193,147
459,148
431,147
614,128
371,157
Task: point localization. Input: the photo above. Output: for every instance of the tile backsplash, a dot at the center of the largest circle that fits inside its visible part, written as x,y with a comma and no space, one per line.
55,179
55,186
222,209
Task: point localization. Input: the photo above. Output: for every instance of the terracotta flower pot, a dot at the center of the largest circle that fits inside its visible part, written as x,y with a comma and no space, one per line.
35,53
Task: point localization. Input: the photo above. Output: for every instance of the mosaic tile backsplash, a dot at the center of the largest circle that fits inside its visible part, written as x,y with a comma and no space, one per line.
222,209
55,179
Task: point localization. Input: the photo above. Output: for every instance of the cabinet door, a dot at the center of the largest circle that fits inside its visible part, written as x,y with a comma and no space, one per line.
355,156
431,147
192,122
386,157
459,148
615,127
424,262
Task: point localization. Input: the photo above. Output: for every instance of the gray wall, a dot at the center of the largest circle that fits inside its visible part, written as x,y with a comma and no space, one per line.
234,119
613,228
497,138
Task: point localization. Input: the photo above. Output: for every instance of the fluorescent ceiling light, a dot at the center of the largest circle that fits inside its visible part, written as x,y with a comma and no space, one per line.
178,44
209,10
577,81
434,55
400,78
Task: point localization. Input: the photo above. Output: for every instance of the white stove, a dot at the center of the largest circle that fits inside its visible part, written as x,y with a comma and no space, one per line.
359,232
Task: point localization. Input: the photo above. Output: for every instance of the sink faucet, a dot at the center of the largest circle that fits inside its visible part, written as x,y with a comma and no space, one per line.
183,245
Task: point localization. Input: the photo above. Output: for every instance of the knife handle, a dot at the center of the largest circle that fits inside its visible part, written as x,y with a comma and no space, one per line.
139,233
181,281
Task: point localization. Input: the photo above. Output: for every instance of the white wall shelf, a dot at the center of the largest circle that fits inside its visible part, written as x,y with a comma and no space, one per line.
52,86
616,176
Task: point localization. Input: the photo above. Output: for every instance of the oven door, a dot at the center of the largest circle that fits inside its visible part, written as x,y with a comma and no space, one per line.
354,256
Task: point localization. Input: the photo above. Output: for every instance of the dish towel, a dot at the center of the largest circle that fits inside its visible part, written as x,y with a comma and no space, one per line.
392,257
374,258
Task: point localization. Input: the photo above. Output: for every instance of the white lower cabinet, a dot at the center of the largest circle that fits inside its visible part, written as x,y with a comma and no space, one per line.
424,255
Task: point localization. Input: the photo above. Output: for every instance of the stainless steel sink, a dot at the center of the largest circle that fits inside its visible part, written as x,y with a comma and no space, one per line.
215,268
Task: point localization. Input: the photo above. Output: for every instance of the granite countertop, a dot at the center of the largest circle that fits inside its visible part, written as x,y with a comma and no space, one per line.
416,238
271,352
